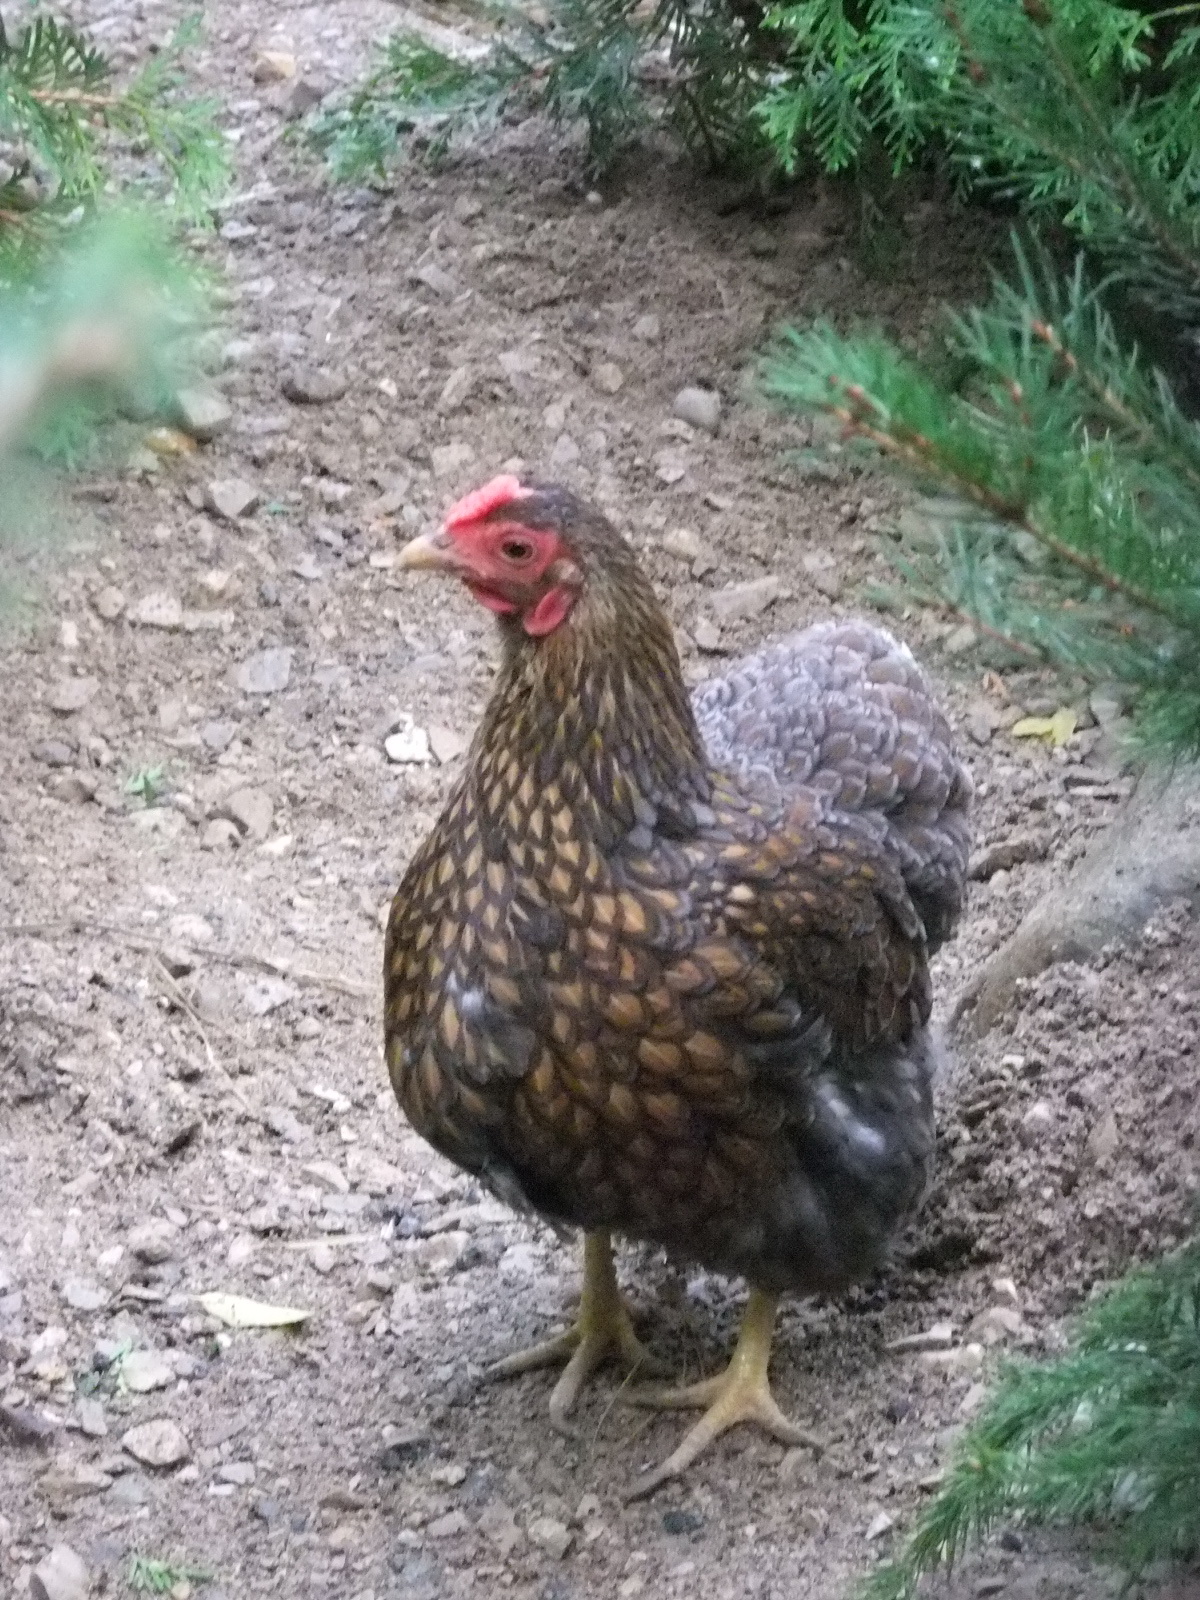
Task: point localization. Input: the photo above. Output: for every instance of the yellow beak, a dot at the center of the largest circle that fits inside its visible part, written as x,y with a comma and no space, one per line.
428,552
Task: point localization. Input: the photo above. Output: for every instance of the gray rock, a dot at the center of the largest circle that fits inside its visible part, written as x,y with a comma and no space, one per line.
822,573
108,603
682,542
648,328
75,788
1104,1140
608,377
191,928
447,1527
204,413
442,1253
982,722
707,636
996,1325
92,1420
313,386
742,601
553,1536
307,93
61,1575
83,1296
265,995
446,744
1036,1122
435,278
152,1242
252,809
456,388
219,834
157,1444
131,1490
959,640
146,1370
265,673
54,753
158,609
231,498
218,736
699,407
448,459
71,694
1107,704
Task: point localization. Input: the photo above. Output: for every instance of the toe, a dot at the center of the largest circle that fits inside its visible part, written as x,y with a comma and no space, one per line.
549,1353
589,1355
685,1397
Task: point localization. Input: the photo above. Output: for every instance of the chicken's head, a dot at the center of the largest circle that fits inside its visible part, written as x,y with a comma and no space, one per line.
526,552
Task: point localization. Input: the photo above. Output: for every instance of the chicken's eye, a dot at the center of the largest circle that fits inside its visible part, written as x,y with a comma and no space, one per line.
516,549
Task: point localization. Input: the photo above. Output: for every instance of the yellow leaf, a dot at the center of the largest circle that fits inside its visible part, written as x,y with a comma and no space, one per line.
236,1311
1057,729
170,442
1062,726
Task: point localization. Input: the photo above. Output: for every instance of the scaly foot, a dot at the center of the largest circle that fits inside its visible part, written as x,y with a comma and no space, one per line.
603,1331
742,1393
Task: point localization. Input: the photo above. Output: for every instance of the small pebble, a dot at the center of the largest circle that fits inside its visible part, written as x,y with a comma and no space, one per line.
699,407
61,1575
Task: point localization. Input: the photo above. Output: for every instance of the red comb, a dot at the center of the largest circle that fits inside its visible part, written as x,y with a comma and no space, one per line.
480,503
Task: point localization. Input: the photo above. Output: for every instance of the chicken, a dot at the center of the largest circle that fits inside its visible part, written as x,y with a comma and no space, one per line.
662,967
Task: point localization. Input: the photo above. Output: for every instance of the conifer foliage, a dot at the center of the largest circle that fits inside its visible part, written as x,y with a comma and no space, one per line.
97,300
66,127
1109,1434
1074,465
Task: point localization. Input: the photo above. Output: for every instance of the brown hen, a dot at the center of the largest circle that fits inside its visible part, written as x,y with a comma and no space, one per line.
662,967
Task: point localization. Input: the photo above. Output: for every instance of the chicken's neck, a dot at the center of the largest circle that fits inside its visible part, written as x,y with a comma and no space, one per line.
590,731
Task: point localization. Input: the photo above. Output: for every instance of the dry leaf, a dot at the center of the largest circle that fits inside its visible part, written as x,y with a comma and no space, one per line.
236,1311
1057,729
170,442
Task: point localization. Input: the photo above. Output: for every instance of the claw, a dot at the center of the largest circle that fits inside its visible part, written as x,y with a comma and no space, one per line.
603,1331
742,1393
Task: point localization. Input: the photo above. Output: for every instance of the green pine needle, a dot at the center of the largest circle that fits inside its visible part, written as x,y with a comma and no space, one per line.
1075,476
1107,1436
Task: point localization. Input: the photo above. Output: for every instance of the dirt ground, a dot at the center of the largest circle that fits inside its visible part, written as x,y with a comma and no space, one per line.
192,1095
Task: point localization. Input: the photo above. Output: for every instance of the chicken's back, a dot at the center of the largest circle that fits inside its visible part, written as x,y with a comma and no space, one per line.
845,709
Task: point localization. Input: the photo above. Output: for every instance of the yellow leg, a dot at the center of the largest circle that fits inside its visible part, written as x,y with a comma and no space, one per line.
742,1393
602,1331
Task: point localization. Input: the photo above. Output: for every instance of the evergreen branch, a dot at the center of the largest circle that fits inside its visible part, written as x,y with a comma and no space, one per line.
1056,436
922,455
1107,1434
1131,182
